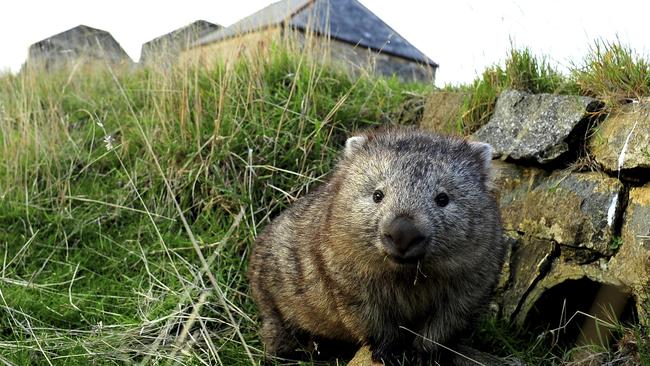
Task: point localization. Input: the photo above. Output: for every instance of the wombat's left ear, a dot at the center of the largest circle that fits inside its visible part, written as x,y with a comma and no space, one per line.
354,143
483,152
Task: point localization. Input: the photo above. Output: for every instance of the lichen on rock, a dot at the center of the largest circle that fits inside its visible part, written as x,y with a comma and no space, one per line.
536,127
567,208
622,141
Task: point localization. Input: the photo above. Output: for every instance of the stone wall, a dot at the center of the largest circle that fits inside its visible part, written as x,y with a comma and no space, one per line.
573,184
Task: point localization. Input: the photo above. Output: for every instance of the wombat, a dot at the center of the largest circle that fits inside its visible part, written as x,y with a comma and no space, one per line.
404,238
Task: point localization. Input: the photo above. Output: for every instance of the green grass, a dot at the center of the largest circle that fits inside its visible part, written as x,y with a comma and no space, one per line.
522,70
611,72
97,263
545,346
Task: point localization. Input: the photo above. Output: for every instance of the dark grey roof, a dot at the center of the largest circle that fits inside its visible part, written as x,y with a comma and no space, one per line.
79,41
178,39
349,21
345,20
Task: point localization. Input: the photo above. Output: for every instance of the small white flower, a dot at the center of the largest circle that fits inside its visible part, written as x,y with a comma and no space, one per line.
97,328
108,142
100,124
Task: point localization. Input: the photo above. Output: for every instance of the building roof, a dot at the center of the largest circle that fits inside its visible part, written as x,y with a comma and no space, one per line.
344,20
178,39
274,14
79,41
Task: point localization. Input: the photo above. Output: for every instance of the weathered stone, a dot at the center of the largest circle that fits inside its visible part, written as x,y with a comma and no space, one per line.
564,227
363,357
561,272
578,255
442,112
513,182
536,127
632,262
512,241
628,269
628,130
528,262
572,209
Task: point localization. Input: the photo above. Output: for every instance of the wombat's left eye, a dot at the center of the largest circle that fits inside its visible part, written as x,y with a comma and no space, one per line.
442,199
377,196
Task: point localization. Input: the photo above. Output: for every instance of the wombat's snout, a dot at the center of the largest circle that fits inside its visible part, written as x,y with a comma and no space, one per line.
402,240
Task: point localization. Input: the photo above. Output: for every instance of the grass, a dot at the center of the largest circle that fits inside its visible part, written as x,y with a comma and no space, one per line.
546,346
611,72
522,70
97,263
129,199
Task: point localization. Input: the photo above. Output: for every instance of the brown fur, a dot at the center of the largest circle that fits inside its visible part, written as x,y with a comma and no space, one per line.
318,270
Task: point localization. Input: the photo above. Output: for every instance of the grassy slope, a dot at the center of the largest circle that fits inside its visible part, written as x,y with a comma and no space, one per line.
96,263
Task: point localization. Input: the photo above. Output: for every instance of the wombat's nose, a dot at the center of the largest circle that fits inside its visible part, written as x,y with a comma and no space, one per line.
401,235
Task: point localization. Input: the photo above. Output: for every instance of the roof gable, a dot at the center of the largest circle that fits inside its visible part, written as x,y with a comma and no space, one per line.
78,33
200,27
345,20
177,40
349,21
274,14
79,41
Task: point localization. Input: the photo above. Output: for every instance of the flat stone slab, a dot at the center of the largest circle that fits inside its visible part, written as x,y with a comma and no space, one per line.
577,210
536,127
623,139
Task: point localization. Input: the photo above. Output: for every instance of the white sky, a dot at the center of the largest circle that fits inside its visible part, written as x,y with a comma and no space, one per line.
463,36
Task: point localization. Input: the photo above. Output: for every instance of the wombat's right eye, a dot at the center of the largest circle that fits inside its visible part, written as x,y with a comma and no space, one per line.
377,196
442,199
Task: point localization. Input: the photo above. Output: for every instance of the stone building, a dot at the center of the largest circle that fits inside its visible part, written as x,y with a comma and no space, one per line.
79,44
168,47
355,37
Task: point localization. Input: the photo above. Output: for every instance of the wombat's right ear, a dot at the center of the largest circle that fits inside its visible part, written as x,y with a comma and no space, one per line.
483,153
354,143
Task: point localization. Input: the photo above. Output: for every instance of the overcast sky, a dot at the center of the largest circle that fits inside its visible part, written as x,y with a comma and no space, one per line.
463,36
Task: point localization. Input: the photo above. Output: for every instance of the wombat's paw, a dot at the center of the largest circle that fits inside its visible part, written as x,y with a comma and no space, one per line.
394,356
279,341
